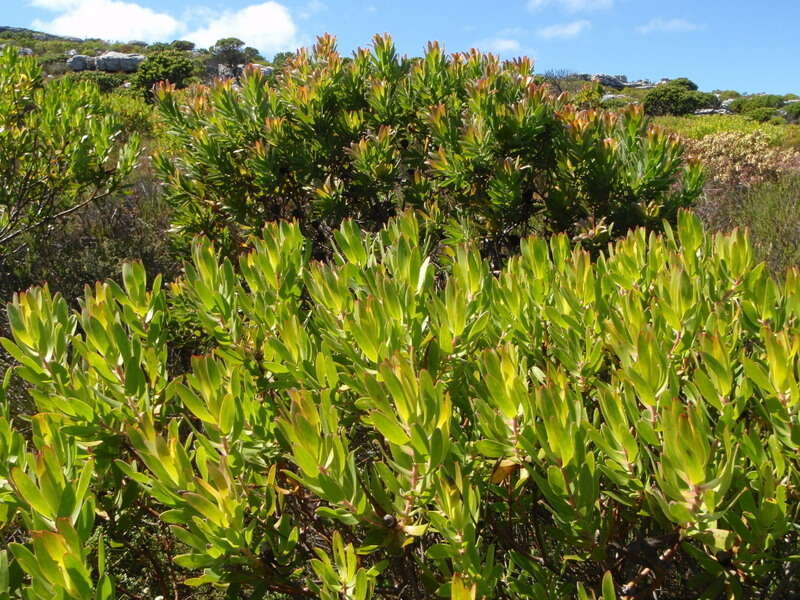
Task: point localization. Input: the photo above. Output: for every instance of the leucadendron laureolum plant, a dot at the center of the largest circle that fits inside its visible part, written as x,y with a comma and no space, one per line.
60,149
465,137
402,422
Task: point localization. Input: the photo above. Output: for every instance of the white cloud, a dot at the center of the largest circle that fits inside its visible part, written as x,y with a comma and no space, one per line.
106,19
268,27
564,31
668,25
571,5
500,45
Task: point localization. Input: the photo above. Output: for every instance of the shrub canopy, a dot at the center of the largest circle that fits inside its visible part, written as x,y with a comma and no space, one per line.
397,424
58,148
463,137
170,65
677,98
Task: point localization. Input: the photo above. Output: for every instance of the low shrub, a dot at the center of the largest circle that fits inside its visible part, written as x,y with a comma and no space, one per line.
170,65
698,126
616,104
105,81
59,149
135,115
770,211
392,427
739,159
762,115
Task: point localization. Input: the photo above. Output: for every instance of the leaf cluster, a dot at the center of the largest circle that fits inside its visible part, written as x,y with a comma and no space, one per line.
59,149
464,137
402,422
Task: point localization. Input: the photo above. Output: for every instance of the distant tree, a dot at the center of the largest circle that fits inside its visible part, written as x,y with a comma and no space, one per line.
556,78
182,45
280,59
685,83
158,47
229,52
677,98
251,54
166,65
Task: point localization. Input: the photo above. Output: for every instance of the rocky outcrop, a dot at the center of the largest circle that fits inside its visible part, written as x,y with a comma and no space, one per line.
114,62
81,62
713,111
111,62
618,82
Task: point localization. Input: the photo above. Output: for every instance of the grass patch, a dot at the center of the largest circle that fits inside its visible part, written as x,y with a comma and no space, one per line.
698,126
770,211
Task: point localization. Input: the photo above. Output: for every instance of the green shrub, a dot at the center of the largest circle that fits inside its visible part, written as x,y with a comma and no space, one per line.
589,97
683,82
698,126
677,99
615,104
58,149
464,137
748,103
762,115
107,82
135,115
728,94
792,111
388,426
173,66
182,45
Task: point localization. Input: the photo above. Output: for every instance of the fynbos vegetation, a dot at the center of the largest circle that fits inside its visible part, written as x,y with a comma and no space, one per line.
444,329
462,137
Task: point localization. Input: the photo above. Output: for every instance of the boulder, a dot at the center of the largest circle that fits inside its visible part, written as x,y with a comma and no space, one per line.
641,84
81,62
114,62
713,111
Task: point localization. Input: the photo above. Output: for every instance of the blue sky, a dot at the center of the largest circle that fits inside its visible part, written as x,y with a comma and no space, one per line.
748,46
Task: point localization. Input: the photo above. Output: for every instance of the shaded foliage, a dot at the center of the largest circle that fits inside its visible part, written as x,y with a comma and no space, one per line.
391,426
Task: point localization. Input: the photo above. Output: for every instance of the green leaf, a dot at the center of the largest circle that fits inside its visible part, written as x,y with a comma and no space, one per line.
609,591
31,494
